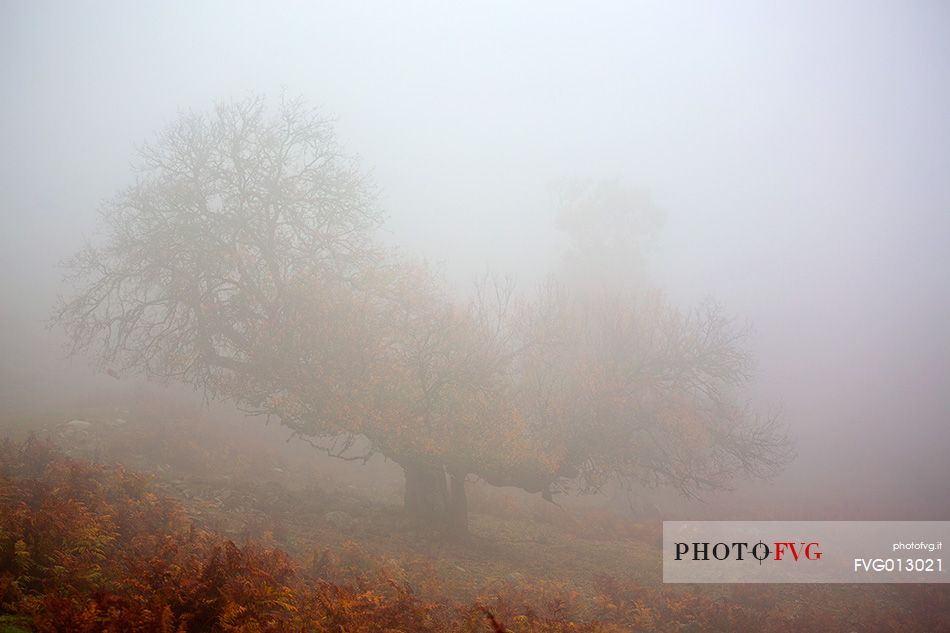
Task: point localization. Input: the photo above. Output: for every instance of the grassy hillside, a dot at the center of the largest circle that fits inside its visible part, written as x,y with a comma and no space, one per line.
208,533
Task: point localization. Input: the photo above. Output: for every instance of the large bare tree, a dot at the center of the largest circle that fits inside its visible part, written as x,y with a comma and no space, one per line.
242,262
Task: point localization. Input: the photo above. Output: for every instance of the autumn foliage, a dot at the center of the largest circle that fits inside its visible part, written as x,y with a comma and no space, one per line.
245,262
92,548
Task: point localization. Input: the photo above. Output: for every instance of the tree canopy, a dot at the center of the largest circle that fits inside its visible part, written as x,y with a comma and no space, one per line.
243,262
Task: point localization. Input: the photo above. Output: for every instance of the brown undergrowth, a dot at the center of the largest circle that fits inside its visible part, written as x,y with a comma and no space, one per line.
85,547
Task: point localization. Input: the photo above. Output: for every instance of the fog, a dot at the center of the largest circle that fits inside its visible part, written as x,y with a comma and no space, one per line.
799,155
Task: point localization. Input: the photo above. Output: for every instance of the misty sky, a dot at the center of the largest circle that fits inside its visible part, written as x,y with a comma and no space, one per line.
801,153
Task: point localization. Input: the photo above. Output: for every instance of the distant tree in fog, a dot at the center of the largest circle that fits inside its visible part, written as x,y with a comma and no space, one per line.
609,226
242,261
631,390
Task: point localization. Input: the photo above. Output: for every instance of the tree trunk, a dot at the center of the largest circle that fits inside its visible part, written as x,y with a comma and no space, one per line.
427,496
432,502
458,507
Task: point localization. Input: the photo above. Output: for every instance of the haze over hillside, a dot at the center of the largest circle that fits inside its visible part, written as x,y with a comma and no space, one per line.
798,154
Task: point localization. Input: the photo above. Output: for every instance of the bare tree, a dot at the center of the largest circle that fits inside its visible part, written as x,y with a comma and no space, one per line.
229,211
242,262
